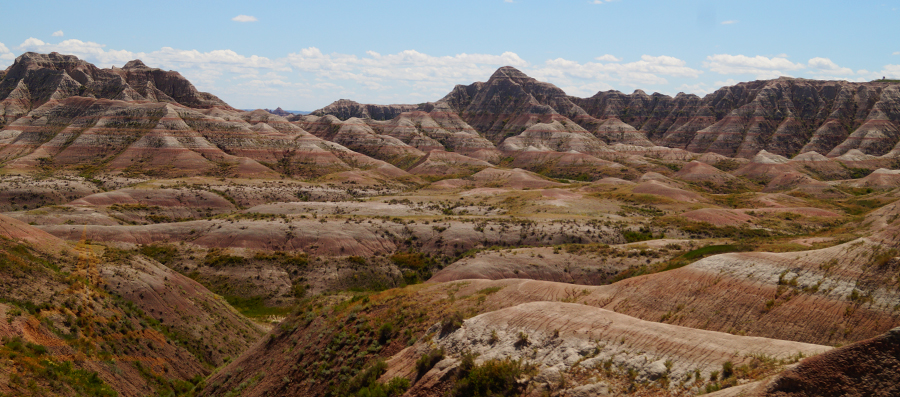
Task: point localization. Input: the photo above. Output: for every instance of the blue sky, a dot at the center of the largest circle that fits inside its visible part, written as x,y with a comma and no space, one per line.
304,55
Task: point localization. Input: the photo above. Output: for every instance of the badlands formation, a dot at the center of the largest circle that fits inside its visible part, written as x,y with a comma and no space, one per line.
505,240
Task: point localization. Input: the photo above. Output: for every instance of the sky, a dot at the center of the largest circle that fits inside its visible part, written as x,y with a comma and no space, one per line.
303,55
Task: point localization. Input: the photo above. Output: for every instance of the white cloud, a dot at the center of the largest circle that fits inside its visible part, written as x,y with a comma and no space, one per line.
244,18
608,58
58,33
760,66
826,66
726,83
508,1
585,79
166,58
729,22
891,71
6,57
896,52
699,89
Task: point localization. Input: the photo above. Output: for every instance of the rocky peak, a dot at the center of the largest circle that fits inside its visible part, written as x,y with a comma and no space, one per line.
510,73
37,78
280,112
135,64
345,109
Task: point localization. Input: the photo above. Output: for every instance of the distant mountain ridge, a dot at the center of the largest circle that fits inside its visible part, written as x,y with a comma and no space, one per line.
34,79
785,116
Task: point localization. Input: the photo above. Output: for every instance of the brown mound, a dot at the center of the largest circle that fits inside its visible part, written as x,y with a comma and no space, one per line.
439,162
719,217
660,189
514,178
696,171
20,231
804,211
865,368
158,197
880,178
543,263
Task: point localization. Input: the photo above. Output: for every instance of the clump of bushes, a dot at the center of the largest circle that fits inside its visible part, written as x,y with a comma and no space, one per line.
428,361
451,323
490,378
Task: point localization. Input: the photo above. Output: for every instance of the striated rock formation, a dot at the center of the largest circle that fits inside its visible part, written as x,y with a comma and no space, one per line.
280,112
865,368
345,109
34,79
163,138
784,116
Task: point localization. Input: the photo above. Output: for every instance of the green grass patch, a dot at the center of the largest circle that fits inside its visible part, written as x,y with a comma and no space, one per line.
713,250
161,253
255,307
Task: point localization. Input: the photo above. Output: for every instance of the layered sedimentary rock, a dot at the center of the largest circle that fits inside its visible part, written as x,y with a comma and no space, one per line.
785,116
35,79
345,109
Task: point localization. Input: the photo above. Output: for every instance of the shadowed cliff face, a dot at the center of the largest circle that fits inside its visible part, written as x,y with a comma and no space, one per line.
35,79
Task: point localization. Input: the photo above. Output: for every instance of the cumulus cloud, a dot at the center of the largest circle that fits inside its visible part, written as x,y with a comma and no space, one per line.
6,57
166,57
58,33
244,18
409,66
760,66
891,71
729,22
608,58
826,66
582,78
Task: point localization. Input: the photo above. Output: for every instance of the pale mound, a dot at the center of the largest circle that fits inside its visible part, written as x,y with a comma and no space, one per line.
484,191
696,171
564,335
801,183
20,231
777,200
711,158
812,240
558,194
660,189
533,263
790,180
516,178
364,177
439,162
450,184
880,178
804,211
812,156
764,157
856,155
718,217
158,197
490,155
614,181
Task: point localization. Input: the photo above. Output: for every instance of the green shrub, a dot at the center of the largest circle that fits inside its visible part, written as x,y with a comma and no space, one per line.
727,370
385,332
428,361
491,378
161,253
451,323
